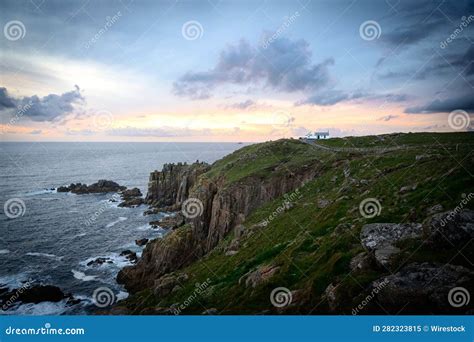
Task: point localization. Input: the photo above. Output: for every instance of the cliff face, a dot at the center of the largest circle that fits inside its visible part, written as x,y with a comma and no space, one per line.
169,187
224,206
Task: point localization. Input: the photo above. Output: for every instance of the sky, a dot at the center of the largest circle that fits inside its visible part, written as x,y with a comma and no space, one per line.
233,70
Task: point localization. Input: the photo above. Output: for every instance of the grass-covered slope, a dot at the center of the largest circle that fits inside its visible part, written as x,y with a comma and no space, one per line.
309,244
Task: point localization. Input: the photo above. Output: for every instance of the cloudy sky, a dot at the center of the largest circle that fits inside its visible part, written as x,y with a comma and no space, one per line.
233,70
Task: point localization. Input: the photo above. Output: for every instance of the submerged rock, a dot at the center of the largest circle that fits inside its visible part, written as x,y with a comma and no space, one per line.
99,261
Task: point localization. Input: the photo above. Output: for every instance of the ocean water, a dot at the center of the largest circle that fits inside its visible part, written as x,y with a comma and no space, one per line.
56,234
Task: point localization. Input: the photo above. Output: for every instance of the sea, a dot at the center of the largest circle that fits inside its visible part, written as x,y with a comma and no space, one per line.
48,237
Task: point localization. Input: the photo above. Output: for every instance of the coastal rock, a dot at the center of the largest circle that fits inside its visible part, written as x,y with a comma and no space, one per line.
159,257
422,288
99,261
35,294
169,222
165,285
102,186
131,256
170,187
380,238
131,198
141,242
451,228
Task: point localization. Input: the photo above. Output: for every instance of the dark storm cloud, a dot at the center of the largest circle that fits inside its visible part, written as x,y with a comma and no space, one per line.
464,102
47,108
411,34
285,65
6,101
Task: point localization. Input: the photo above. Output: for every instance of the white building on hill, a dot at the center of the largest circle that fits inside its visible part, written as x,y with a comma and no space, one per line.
316,135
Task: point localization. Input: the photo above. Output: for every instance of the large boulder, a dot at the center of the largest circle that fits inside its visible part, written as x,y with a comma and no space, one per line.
380,239
423,288
450,228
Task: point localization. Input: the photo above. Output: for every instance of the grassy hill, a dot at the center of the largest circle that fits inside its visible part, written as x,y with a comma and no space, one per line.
305,240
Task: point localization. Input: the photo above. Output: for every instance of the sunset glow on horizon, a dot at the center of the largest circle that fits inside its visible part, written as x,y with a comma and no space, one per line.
179,71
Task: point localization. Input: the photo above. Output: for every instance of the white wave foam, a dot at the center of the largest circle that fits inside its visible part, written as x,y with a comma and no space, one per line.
113,223
4,251
117,261
40,192
40,309
45,255
14,281
121,295
82,276
144,227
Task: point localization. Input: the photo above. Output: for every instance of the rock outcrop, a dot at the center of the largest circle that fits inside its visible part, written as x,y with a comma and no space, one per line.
33,293
451,228
131,198
170,187
380,238
425,288
102,186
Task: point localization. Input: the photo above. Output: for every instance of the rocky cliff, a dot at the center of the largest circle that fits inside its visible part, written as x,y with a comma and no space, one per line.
170,186
222,205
